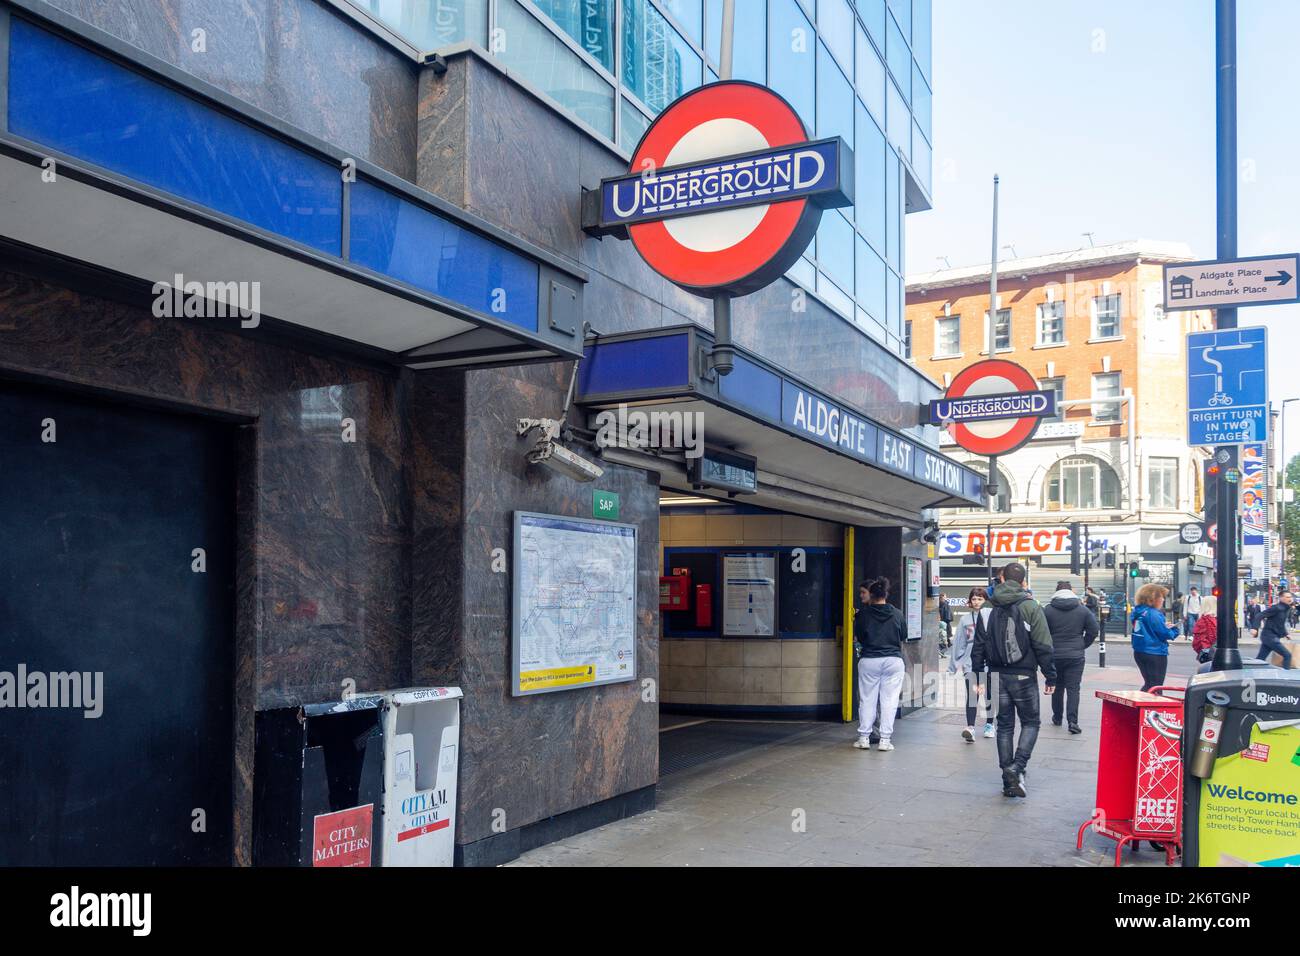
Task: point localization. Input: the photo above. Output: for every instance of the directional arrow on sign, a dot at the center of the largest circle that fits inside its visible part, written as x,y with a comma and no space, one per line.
1282,278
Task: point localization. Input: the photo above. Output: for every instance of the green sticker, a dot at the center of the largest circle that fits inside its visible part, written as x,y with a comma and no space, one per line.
604,504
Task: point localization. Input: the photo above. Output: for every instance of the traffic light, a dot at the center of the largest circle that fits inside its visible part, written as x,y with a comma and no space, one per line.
1215,591
1110,560
1134,571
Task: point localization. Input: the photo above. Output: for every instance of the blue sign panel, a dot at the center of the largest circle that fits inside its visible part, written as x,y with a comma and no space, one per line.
786,172
814,417
939,472
1227,387
896,454
977,408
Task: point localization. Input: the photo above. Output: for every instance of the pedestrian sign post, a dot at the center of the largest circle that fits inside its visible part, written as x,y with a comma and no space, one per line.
1229,283
1227,387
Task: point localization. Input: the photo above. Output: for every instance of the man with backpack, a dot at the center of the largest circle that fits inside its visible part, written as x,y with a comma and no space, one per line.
1013,639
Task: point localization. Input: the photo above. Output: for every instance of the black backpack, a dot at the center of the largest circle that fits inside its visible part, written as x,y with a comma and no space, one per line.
1005,637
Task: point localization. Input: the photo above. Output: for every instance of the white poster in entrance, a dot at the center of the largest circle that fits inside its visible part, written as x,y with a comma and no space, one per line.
574,617
749,586
913,599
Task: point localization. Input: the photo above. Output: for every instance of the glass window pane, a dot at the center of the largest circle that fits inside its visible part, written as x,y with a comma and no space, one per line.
921,105
893,205
804,273
792,56
922,158
658,64
835,26
902,10
432,29
835,297
869,179
899,120
634,125
689,15
873,15
541,59
921,27
871,78
871,274
834,99
749,46
590,22
835,248
899,57
894,306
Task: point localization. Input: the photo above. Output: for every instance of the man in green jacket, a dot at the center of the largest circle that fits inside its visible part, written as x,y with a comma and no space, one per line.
1013,639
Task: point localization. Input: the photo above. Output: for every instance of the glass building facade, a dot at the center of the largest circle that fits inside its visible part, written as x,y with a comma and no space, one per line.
860,69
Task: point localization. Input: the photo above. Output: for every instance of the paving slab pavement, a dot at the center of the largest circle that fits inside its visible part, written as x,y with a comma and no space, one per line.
934,801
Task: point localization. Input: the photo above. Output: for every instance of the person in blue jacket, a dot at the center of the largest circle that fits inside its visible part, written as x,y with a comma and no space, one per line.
1151,635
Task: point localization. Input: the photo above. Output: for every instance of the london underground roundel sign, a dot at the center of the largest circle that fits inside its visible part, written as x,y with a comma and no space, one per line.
992,407
725,190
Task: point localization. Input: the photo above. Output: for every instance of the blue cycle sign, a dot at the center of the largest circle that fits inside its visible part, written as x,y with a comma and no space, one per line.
1227,387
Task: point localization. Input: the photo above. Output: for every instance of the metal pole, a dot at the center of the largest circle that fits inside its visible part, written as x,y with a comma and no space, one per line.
992,343
1227,656
727,38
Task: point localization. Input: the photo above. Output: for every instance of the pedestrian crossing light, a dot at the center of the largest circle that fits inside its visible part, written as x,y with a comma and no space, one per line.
1137,572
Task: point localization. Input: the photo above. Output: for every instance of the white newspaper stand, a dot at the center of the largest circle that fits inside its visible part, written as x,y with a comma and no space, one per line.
421,750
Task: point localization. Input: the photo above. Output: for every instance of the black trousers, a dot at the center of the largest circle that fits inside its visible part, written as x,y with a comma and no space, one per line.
1069,676
1272,644
1017,697
1152,667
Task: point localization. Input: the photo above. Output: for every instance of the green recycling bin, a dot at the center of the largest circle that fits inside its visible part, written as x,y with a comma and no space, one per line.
1241,781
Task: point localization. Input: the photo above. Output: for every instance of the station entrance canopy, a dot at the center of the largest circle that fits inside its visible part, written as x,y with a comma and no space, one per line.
801,438
113,159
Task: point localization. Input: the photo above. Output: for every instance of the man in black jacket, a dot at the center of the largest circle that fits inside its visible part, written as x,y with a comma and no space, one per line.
1074,628
1274,630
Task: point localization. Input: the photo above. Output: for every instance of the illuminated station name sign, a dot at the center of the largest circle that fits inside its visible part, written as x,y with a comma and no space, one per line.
789,172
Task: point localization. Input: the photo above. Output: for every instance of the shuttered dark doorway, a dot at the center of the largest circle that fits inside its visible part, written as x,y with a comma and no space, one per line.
97,529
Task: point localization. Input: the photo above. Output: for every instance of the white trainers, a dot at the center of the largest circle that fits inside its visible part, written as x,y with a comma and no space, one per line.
884,745
968,735
989,731
862,743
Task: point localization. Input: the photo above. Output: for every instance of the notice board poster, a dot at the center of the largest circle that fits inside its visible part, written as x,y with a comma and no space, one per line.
342,838
574,614
913,599
749,595
1250,806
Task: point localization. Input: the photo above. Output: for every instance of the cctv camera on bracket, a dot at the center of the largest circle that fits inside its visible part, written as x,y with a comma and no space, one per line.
549,453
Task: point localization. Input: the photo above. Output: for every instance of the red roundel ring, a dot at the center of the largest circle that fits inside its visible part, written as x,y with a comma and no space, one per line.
738,250
999,436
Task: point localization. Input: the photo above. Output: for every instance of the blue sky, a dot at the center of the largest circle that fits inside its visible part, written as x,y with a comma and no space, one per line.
1099,117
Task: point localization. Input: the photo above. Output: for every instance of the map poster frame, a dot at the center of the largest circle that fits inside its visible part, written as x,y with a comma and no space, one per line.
757,588
524,568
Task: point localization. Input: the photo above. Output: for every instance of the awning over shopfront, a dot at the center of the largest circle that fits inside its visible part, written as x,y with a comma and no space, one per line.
113,159
805,443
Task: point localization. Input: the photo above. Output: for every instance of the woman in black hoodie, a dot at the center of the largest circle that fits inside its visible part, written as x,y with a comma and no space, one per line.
879,631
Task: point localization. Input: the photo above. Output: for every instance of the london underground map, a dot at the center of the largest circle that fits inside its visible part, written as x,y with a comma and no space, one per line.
574,599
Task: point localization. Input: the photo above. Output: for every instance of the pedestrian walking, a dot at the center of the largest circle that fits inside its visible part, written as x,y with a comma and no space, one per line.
1013,639
976,681
1151,635
1073,628
1254,614
1177,608
1206,638
1192,609
1273,633
879,631
945,620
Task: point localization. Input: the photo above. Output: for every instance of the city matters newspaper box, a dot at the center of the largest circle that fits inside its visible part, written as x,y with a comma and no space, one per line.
318,784
1241,744
422,742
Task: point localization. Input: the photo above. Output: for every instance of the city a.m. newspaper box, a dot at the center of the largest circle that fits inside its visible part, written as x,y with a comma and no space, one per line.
1242,786
421,754
1139,770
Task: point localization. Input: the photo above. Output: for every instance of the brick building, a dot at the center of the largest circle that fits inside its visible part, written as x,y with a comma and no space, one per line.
1090,325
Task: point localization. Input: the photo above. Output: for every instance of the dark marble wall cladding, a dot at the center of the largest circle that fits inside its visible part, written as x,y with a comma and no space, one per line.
325,587
533,757
492,147
298,60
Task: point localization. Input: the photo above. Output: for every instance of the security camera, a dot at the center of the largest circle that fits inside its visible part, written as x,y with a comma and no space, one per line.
930,532
558,458
549,453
